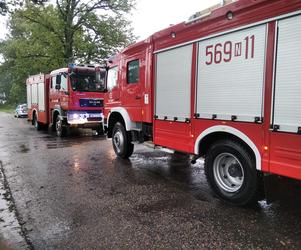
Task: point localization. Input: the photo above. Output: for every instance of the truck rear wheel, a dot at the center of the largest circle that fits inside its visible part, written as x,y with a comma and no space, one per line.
60,129
36,124
231,172
121,140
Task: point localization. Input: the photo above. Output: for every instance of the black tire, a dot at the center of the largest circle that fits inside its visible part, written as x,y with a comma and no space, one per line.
100,131
35,122
121,140
60,127
230,171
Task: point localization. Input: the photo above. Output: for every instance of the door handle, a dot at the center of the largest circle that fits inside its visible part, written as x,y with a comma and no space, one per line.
138,97
116,99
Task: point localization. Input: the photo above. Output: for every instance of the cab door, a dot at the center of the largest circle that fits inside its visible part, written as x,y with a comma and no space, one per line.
58,95
53,94
132,87
63,91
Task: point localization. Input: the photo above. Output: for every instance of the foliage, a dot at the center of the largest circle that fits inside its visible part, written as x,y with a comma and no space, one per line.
46,37
8,6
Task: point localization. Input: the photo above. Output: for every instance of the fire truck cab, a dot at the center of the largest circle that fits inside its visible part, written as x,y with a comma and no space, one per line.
67,97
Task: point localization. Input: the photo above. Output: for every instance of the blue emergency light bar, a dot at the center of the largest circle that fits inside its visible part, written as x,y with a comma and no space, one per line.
71,65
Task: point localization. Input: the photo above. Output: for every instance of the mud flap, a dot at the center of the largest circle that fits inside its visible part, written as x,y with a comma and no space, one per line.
278,188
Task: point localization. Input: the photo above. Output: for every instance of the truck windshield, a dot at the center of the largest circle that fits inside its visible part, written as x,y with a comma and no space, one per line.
85,82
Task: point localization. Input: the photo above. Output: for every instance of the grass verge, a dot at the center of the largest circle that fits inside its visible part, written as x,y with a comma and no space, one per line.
7,108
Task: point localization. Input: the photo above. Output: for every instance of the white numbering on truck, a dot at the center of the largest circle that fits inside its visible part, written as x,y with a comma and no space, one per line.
225,52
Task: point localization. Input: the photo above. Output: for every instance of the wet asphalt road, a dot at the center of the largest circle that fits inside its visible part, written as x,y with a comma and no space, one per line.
73,193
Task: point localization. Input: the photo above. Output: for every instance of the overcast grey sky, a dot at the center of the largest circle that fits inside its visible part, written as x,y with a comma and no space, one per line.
153,15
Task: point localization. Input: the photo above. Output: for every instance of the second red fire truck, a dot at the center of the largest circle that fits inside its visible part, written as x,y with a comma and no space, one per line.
224,85
67,97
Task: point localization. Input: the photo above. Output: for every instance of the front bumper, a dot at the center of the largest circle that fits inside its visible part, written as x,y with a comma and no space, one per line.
84,117
20,113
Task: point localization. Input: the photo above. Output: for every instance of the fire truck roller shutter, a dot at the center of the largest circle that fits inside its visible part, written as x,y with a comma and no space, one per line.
34,93
28,90
173,77
41,96
287,102
230,75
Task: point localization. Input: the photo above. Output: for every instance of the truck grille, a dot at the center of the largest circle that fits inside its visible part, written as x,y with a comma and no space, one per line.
91,102
94,119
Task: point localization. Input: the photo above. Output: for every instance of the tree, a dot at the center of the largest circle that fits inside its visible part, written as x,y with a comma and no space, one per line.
29,49
8,6
46,37
99,25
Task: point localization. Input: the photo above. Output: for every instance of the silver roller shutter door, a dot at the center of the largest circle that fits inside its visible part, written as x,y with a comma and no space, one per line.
173,83
41,96
28,87
287,102
233,88
34,93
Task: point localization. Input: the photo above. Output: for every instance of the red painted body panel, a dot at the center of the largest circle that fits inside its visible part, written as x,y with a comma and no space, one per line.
285,154
280,152
174,135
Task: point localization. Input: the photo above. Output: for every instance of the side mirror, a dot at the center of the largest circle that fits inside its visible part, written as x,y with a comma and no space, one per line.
100,78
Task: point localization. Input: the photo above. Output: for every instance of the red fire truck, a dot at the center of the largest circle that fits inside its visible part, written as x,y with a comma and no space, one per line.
224,85
67,97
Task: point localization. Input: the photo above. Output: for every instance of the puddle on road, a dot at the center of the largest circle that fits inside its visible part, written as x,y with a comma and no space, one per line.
23,148
280,220
74,139
70,142
50,141
148,165
175,168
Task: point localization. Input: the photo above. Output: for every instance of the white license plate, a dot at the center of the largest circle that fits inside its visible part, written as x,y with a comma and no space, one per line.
94,115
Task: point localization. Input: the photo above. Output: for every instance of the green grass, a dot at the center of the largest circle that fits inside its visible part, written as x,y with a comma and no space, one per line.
7,108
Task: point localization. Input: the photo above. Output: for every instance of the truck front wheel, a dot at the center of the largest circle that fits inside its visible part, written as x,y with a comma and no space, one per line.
121,140
36,124
60,129
231,172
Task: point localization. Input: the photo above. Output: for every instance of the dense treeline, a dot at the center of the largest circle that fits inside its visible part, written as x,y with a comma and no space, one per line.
43,37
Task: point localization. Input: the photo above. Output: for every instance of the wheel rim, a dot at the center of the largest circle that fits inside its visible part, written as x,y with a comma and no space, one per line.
118,141
58,127
228,172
